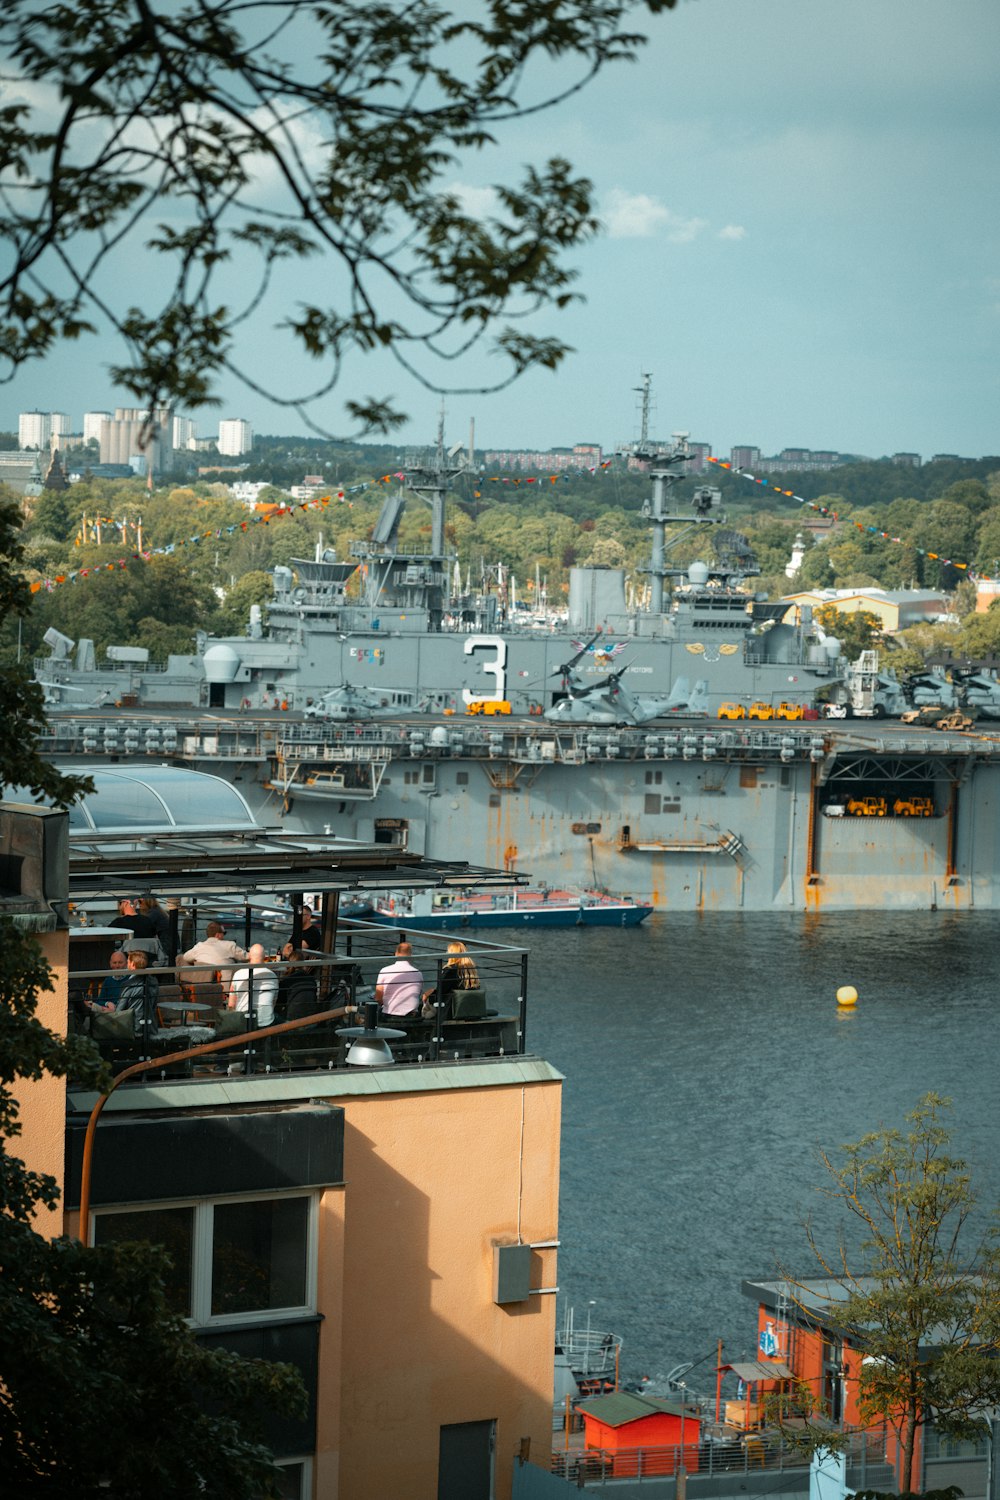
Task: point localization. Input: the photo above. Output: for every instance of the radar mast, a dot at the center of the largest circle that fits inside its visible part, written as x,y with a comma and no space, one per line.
665,469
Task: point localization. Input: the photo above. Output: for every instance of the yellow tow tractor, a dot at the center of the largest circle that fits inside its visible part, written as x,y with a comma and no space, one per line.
488,706
789,711
866,807
913,807
732,711
760,711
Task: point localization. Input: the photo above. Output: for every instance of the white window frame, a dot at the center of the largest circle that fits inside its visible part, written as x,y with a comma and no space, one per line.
306,1460
201,1315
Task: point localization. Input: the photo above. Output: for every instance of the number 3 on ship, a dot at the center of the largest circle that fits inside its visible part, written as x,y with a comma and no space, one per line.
496,668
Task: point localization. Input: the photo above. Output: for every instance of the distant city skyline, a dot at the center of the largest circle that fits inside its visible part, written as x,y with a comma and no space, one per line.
235,439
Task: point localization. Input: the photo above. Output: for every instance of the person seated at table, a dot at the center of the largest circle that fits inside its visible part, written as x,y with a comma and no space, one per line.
215,950
140,991
253,990
458,973
397,988
297,993
111,987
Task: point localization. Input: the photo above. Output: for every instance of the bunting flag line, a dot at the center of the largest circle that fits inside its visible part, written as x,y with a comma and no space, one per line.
825,510
214,533
276,514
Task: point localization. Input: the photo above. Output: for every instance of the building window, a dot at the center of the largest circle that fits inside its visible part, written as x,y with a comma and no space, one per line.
234,1260
259,1253
173,1228
294,1478
654,778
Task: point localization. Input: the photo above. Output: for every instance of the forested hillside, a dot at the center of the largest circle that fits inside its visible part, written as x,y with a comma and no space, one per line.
538,526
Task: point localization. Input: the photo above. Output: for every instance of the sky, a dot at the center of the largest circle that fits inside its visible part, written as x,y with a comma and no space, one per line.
801,245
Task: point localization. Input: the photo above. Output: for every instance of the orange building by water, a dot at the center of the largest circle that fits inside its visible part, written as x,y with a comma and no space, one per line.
802,1337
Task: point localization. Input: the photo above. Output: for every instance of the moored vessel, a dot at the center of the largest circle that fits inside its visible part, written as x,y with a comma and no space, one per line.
524,905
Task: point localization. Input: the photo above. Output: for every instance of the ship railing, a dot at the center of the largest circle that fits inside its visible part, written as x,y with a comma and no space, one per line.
48,669
592,1353
191,1006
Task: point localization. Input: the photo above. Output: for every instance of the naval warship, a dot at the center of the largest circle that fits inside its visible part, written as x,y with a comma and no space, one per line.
671,753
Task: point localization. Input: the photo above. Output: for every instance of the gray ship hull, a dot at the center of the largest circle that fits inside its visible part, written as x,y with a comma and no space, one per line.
690,816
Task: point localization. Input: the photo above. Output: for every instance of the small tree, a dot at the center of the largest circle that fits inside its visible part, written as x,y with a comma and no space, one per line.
918,1302
859,630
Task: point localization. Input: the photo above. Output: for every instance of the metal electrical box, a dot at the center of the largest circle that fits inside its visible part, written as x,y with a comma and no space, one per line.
511,1273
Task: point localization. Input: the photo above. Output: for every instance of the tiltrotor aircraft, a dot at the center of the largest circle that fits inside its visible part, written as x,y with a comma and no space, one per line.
609,702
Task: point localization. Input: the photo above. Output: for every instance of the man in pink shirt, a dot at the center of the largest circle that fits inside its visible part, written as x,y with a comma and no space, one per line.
398,986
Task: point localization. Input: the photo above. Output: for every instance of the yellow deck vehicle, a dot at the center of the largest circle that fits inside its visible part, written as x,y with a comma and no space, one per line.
866,807
489,706
913,807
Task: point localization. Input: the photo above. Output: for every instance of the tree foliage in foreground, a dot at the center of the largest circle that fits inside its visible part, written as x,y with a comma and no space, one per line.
919,1301
226,134
103,1390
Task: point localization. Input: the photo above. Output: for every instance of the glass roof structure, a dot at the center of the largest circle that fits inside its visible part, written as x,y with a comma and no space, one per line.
189,834
158,799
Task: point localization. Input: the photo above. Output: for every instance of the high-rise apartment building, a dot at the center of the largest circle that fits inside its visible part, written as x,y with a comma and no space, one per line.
183,434
34,428
235,436
126,436
92,425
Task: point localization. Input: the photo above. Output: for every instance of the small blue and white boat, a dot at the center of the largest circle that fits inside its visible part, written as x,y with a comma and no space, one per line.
442,911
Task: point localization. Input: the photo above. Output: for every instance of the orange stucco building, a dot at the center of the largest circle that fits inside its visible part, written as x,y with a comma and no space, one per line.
403,1224
802,1335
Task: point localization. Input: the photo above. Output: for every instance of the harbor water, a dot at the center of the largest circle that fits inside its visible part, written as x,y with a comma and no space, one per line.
706,1063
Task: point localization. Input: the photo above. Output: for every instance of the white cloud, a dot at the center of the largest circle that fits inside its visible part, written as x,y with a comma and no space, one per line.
633,216
732,232
683,231
637,216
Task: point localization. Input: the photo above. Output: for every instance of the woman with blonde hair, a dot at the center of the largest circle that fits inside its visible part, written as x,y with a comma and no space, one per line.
458,973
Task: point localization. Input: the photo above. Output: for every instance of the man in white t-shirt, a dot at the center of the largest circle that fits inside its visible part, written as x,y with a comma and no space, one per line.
257,984
398,986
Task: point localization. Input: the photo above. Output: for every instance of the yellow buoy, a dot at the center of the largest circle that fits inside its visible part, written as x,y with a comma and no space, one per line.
847,995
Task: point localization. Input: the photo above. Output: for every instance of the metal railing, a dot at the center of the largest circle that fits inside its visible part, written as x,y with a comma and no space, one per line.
495,1026
867,1464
